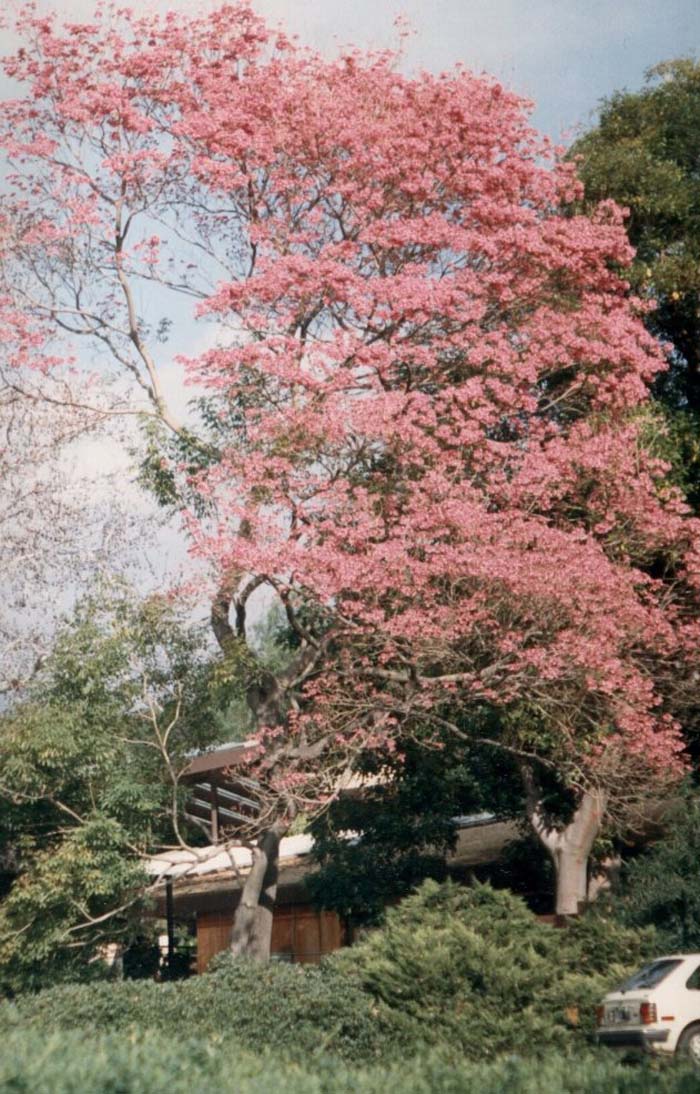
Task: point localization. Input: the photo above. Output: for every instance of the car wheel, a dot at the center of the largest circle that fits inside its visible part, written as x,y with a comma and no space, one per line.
689,1044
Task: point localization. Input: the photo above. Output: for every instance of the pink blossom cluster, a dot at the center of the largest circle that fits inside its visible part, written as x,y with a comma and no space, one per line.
439,377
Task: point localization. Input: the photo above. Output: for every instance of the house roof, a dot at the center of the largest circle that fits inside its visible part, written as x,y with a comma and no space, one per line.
181,863
210,878
218,759
480,839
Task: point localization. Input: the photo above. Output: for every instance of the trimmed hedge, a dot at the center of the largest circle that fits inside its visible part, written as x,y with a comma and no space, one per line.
278,1007
119,1063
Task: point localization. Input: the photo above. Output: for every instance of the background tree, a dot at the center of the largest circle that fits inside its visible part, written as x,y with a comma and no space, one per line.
90,760
377,842
60,523
643,153
659,887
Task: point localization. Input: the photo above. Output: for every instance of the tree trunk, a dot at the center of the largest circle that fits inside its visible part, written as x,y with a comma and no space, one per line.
267,699
571,869
252,924
569,847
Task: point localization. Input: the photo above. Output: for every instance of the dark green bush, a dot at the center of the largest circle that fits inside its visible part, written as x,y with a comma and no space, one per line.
277,1006
118,1063
662,885
472,968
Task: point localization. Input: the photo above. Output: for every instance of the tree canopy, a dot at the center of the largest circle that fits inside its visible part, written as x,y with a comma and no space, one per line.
91,758
398,826
644,153
425,389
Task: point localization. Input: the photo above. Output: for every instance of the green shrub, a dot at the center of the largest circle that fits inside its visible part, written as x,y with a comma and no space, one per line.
467,970
120,1063
277,1006
598,952
472,968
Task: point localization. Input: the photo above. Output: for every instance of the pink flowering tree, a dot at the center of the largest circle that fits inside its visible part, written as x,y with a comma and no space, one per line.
426,397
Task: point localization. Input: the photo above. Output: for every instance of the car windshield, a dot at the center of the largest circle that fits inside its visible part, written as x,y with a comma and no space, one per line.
650,975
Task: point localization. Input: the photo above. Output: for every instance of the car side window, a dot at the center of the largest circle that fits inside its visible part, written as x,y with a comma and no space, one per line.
693,981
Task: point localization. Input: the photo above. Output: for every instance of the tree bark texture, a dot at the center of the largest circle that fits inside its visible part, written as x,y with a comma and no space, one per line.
252,924
570,848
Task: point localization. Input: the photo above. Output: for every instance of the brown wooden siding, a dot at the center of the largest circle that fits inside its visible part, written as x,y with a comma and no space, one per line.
300,933
213,936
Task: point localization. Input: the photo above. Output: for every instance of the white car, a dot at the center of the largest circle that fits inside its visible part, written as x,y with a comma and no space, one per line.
657,1009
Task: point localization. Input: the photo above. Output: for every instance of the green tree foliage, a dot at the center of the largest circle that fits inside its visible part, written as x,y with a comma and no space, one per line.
661,887
89,760
523,868
402,821
645,154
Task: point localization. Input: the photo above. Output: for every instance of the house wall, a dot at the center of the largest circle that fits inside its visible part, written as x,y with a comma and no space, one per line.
213,936
300,933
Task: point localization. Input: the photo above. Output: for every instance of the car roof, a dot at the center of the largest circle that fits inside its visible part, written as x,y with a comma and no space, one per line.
674,957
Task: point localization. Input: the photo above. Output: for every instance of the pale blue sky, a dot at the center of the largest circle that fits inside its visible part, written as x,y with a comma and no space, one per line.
564,54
